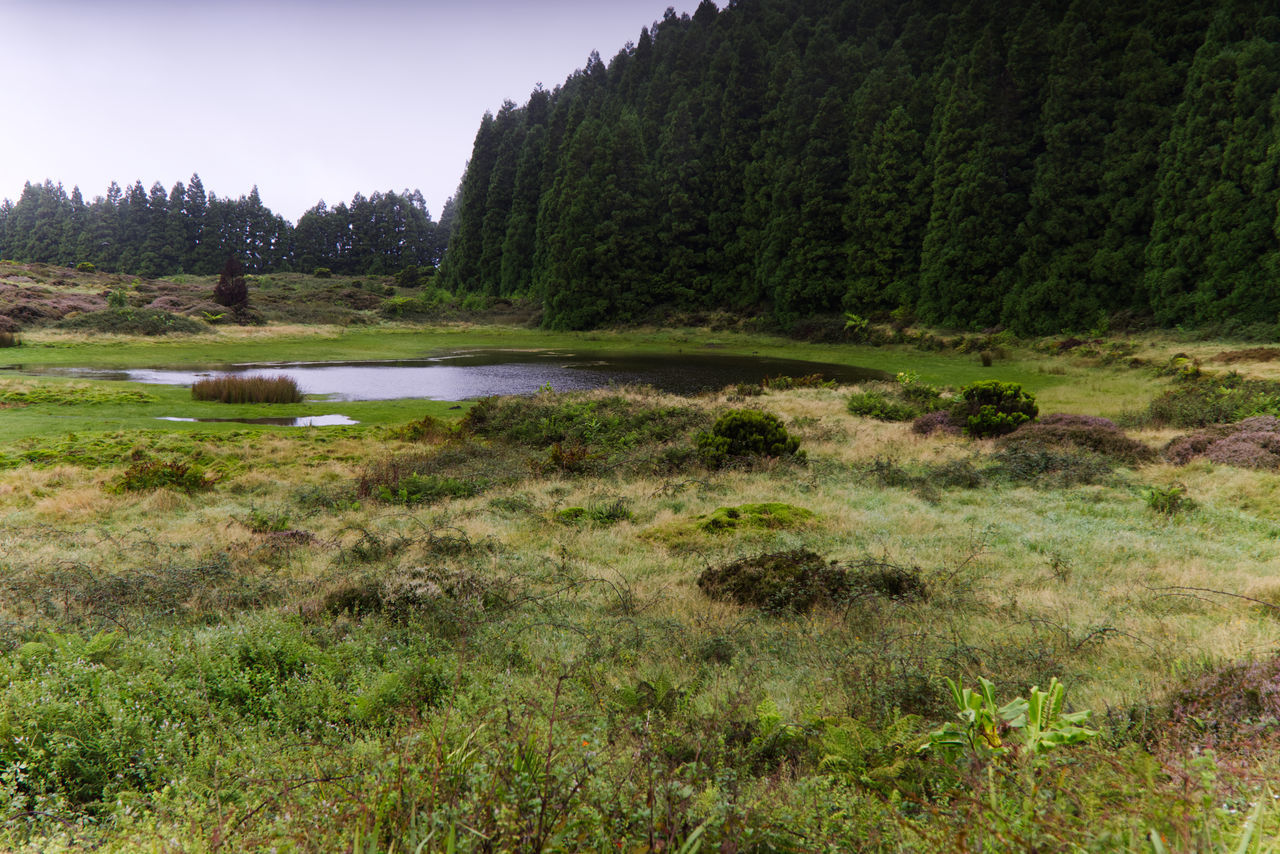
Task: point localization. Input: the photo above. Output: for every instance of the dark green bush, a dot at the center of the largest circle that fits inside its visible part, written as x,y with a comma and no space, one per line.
322,273
233,389
746,433
993,408
780,581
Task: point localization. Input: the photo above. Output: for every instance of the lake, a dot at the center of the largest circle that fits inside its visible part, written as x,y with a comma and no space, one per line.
479,373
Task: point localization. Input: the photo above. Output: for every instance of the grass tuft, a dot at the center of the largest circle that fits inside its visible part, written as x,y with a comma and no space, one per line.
235,389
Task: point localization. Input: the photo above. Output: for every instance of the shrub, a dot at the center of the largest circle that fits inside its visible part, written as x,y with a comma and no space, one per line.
1250,443
1167,500
322,273
86,267
779,581
746,433
935,422
993,408
231,289
874,404
146,475
425,489
1202,400
598,513
1085,432
8,339
228,388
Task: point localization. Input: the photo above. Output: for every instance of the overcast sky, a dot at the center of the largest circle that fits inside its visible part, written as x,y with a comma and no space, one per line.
308,99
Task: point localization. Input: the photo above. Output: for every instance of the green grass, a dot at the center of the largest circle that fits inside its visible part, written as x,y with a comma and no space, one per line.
296,658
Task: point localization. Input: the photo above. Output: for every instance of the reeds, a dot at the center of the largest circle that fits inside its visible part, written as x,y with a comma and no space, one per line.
253,389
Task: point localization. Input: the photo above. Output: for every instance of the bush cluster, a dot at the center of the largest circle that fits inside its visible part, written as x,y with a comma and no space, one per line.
146,475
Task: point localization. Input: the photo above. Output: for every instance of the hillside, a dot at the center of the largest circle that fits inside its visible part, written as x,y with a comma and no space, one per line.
1047,166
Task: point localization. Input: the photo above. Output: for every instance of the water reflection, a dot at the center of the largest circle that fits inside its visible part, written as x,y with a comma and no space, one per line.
479,373
300,421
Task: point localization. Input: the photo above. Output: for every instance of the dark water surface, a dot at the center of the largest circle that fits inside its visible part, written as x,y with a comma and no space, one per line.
479,373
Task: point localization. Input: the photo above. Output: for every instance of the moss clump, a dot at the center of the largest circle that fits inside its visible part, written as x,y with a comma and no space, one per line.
772,514
794,580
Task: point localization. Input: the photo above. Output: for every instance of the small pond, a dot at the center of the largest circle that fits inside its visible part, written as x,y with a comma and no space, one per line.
479,373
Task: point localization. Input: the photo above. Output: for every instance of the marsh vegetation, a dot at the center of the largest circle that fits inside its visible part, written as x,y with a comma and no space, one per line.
564,621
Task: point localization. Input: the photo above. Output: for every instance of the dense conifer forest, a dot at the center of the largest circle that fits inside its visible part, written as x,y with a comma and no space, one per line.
1041,164
186,230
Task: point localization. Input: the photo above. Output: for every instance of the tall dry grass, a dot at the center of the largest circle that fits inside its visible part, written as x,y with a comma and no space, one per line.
233,389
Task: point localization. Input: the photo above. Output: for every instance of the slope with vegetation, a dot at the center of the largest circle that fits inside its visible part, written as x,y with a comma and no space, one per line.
1039,164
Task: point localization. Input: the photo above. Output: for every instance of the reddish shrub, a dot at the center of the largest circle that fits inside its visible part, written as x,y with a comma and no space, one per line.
1086,432
935,422
1251,443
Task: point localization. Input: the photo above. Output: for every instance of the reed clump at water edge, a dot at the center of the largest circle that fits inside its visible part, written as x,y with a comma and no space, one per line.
253,389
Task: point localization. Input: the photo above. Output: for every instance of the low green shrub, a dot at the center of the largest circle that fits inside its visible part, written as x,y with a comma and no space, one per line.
993,408
229,388
425,489
607,512
746,433
134,321
877,405
146,475
1168,500
322,273
1202,400
794,580
86,267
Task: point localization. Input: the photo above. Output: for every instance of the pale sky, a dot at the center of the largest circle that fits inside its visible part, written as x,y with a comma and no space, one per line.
308,99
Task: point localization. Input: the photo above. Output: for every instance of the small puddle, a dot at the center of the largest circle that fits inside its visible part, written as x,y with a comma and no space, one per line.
301,421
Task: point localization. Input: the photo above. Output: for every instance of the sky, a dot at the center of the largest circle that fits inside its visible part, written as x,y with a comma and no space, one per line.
307,99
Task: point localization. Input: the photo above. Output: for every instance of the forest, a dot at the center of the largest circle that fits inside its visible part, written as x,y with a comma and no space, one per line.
1041,164
186,230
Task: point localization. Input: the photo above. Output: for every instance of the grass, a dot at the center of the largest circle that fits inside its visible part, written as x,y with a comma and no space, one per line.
377,637
236,389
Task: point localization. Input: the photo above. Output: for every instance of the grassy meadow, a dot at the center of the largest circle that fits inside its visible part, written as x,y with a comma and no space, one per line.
483,629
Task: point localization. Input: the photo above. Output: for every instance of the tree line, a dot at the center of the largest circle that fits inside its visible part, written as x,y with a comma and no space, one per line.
1047,165
186,230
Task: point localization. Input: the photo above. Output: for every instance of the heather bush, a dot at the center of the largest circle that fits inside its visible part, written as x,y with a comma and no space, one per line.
935,422
1084,432
1251,443
229,388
